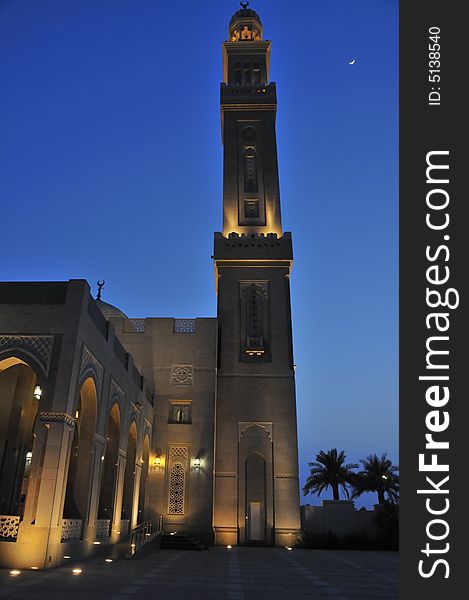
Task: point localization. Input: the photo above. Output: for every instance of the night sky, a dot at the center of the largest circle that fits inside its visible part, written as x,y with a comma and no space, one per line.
111,167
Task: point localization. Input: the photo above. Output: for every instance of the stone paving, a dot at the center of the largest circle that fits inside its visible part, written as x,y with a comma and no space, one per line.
216,574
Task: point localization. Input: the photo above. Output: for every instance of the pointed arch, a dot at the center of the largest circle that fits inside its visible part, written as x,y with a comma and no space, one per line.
81,456
19,408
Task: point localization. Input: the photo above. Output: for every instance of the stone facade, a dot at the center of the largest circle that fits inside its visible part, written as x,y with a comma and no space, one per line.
107,423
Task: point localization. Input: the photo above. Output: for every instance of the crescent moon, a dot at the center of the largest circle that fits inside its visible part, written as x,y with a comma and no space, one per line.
352,62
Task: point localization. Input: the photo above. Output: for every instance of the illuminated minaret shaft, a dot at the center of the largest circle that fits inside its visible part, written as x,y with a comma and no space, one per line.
256,495
251,201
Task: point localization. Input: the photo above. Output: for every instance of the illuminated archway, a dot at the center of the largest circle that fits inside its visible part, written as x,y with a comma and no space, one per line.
19,399
81,456
109,476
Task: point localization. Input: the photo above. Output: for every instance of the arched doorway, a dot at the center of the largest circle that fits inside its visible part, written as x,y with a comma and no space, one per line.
19,399
81,456
143,493
129,477
109,477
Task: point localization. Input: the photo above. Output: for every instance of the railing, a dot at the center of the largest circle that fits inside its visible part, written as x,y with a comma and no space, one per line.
144,533
103,528
9,527
71,530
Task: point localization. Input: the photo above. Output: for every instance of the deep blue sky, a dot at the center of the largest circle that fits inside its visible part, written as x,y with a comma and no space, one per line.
111,167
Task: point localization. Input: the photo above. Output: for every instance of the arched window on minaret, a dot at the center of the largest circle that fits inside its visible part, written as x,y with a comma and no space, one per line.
247,74
250,170
254,307
237,73
257,74
249,134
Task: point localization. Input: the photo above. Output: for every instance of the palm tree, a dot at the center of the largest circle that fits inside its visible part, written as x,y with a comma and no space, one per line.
378,475
329,470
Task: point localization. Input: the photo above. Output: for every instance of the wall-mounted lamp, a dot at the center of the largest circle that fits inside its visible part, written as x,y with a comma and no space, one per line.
77,414
37,392
196,462
157,461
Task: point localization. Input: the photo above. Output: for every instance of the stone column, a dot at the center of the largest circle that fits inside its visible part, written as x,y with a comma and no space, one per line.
38,542
136,494
95,485
118,494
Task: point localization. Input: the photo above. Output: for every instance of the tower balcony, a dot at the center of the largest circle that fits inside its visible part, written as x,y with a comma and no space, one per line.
237,95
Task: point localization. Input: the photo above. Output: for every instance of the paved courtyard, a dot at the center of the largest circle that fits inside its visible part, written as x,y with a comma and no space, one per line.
216,574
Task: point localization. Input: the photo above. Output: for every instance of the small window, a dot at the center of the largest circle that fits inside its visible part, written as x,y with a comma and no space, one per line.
180,412
251,209
249,134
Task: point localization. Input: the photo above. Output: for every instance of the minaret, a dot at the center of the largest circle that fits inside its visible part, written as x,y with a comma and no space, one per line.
256,495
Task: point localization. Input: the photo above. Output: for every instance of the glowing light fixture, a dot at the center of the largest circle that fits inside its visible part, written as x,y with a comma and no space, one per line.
289,548
37,392
15,572
66,556
97,543
157,461
229,546
76,571
196,462
34,568
77,414
108,560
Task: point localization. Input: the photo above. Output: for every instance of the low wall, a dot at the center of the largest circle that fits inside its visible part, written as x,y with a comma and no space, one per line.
339,517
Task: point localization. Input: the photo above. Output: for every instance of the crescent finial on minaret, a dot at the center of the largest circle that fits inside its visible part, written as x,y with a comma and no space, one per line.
100,283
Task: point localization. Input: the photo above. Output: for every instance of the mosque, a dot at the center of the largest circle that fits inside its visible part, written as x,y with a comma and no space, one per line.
109,424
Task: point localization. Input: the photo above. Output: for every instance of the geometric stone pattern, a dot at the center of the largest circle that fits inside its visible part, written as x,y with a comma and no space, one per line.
9,526
116,390
177,479
181,375
139,325
88,361
103,528
71,530
176,490
52,417
40,346
184,325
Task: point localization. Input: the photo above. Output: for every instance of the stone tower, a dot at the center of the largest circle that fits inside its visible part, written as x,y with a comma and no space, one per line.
256,495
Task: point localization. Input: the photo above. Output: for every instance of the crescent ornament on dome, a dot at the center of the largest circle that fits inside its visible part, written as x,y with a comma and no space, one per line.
244,5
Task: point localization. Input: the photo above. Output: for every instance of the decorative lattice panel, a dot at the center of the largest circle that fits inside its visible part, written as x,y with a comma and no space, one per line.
9,526
177,480
180,453
71,530
176,490
103,528
139,325
184,325
39,346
